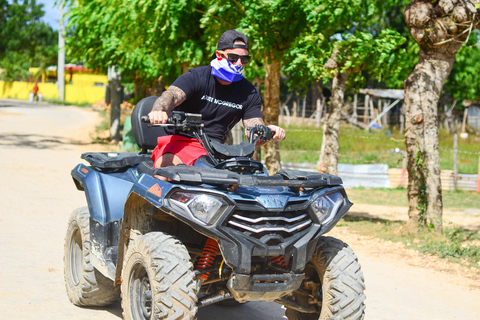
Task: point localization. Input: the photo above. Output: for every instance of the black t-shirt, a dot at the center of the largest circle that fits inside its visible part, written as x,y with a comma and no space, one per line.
221,106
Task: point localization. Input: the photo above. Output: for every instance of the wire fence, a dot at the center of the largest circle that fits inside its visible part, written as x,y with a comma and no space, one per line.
374,138
390,156
381,147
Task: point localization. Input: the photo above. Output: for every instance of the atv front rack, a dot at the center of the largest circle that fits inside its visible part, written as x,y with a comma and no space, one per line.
200,175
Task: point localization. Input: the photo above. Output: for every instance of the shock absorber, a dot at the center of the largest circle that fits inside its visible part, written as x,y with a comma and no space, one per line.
208,257
279,260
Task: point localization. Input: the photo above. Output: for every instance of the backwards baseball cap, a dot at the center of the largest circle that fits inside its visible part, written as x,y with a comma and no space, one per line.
228,38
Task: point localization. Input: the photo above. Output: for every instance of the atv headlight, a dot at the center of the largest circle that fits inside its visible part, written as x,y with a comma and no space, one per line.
327,206
207,208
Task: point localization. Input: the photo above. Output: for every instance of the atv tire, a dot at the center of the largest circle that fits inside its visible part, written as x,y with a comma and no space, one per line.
333,284
85,285
158,280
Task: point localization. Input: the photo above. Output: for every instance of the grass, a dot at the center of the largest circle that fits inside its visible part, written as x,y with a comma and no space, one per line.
452,200
455,244
358,146
65,103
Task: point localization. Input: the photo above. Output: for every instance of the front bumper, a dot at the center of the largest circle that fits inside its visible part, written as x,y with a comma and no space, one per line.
265,287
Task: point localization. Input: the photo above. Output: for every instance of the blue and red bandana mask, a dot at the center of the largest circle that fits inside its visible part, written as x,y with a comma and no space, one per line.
226,71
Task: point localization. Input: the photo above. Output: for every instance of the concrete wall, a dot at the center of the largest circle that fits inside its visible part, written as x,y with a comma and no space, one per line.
380,176
84,88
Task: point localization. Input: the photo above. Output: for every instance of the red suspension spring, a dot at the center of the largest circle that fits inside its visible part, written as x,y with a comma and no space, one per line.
208,256
280,260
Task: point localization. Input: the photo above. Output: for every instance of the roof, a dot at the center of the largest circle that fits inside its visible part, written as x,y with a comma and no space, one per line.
384,93
72,67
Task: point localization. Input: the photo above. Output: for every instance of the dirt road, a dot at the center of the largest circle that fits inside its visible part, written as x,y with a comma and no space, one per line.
40,144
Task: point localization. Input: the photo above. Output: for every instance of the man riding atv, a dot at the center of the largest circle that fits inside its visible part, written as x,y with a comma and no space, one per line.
220,229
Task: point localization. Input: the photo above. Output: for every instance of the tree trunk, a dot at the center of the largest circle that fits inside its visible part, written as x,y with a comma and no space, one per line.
270,111
332,127
440,28
422,91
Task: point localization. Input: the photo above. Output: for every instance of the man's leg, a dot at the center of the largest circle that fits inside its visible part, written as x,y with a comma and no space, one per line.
165,160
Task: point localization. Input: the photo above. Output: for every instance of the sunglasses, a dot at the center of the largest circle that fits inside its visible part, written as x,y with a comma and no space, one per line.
233,57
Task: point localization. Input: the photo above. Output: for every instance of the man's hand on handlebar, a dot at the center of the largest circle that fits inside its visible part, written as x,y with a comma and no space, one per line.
158,117
279,133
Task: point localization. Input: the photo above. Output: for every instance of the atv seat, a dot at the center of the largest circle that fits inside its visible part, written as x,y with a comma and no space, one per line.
145,137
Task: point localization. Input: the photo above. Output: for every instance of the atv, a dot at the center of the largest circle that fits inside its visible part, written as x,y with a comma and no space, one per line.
220,231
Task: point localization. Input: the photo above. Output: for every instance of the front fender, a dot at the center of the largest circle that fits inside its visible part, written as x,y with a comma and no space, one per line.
142,213
106,193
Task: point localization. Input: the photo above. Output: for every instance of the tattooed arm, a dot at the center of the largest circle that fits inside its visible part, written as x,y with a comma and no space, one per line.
169,99
279,132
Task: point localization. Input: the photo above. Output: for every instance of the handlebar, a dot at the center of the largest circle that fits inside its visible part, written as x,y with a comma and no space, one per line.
180,121
263,133
190,122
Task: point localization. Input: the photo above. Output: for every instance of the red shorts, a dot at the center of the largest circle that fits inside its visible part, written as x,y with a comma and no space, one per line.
187,149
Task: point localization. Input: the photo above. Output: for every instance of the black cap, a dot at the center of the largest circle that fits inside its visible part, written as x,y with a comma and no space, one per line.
228,38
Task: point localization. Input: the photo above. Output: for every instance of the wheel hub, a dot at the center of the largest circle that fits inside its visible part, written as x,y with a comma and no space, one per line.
140,293
76,257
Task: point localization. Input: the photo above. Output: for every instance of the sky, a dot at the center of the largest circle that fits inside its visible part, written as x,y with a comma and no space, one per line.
51,17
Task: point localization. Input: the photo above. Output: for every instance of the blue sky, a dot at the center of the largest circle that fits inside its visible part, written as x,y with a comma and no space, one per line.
51,17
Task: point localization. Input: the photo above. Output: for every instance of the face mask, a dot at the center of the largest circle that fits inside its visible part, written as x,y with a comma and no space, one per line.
226,71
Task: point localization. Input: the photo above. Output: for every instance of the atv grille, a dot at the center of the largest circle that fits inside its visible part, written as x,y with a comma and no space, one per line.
271,227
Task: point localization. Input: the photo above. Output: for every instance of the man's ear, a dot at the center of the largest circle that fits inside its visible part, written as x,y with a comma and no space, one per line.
219,55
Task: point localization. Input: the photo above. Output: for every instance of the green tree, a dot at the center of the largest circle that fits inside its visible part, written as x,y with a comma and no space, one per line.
352,57
25,41
153,38
145,38
350,42
464,80
291,36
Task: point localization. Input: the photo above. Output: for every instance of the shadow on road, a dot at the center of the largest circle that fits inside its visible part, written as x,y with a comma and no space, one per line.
252,311
356,216
36,141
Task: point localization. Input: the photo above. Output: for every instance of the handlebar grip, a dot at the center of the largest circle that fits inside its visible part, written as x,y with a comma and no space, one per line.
145,119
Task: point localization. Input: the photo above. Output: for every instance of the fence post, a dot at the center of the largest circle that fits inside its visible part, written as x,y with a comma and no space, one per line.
319,112
354,115
304,106
294,112
322,149
464,122
478,179
404,170
366,107
402,118
372,111
455,164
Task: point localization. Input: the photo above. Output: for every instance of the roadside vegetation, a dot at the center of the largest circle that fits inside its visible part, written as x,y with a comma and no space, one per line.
456,244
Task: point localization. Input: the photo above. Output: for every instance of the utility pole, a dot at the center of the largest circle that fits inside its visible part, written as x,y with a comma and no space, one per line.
115,85
455,162
61,56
